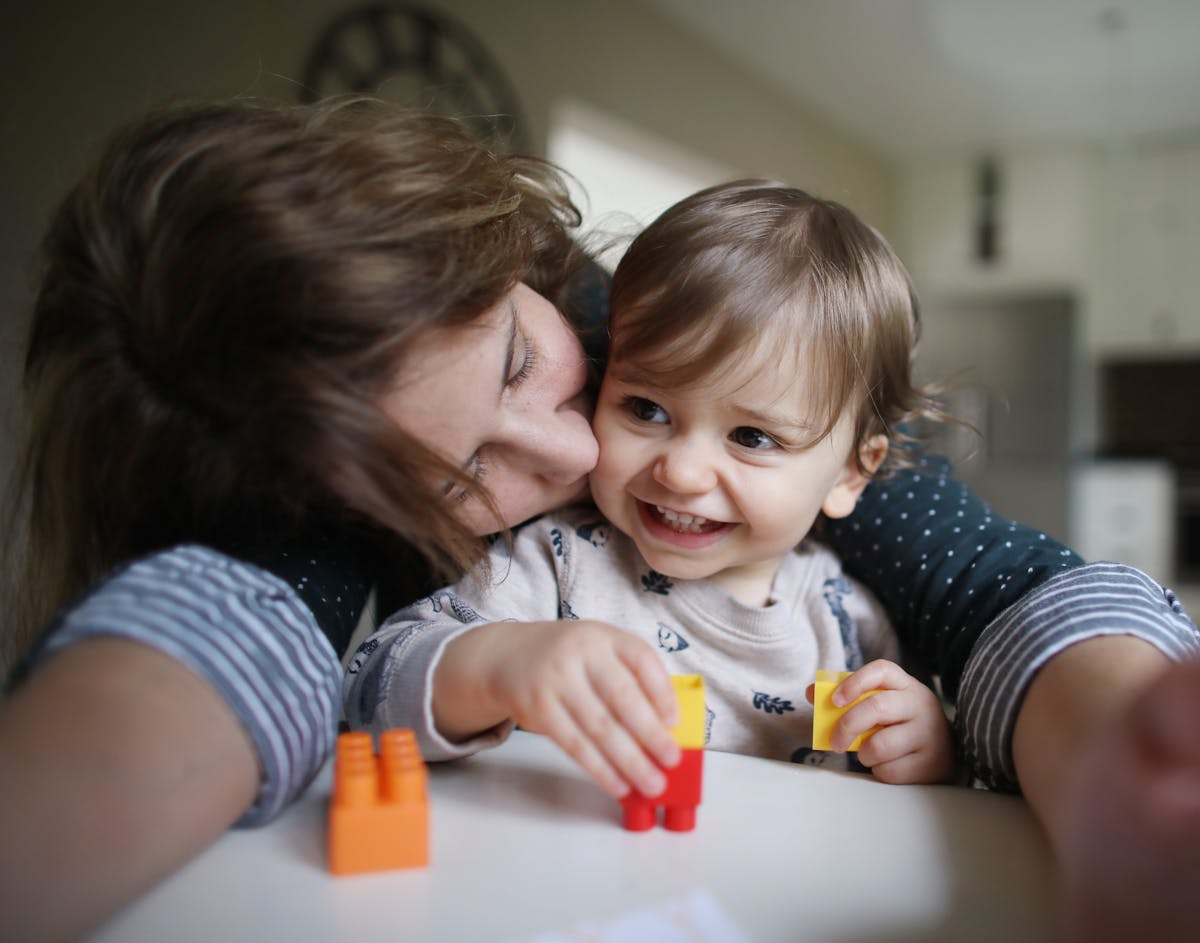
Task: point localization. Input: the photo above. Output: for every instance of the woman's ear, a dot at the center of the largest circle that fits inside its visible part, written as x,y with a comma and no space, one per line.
845,491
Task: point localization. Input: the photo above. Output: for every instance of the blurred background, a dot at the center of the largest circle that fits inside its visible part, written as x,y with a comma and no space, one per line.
1036,163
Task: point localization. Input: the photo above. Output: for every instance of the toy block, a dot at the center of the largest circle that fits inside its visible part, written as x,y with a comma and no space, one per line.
378,813
826,715
682,793
678,801
689,692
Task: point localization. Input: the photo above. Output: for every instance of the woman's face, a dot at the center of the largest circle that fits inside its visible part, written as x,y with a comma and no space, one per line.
504,400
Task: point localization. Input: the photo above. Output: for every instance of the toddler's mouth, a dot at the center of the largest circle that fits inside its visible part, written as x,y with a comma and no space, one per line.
683,523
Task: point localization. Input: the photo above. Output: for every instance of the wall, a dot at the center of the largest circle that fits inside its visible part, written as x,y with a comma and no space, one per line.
1115,229
75,70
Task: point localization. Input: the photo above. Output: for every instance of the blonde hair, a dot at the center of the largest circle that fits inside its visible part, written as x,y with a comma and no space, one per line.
753,261
224,300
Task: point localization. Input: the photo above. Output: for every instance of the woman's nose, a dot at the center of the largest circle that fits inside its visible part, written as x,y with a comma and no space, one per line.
684,468
558,447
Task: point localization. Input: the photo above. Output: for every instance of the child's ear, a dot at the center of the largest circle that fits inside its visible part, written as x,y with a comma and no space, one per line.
845,491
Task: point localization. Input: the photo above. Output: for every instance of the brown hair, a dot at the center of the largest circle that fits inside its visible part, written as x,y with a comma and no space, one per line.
756,262
225,298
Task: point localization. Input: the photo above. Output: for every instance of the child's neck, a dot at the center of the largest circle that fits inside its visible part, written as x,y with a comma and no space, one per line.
750,584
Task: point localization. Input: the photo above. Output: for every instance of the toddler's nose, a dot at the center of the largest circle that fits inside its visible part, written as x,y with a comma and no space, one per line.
684,469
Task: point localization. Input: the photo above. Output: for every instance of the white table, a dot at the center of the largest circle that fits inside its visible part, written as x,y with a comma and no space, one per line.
523,845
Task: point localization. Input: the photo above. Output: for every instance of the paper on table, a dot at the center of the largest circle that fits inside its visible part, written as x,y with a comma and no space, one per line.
697,918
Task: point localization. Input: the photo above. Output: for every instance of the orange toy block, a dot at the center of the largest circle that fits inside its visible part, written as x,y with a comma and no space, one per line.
679,800
826,716
379,812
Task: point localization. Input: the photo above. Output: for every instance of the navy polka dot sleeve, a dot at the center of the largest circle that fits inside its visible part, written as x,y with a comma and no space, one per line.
941,562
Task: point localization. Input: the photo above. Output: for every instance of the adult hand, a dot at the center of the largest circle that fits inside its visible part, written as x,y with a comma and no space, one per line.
600,693
912,743
1129,845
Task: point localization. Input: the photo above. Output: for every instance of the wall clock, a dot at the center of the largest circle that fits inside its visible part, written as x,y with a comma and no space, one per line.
418,57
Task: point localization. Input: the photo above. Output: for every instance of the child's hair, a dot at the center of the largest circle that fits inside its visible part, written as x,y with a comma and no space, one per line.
224,300
755,266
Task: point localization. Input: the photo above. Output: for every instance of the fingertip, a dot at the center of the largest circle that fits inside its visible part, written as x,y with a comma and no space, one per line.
654,784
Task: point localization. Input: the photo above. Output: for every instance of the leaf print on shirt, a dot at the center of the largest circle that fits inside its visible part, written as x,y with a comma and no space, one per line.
595,533
459,609
771,705
566,612
360,655
834,590
655,582
670,640
556,541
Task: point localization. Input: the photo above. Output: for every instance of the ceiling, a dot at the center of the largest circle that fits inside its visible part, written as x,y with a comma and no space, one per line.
916,77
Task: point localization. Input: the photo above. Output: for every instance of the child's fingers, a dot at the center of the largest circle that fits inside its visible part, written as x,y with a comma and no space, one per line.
642,660
909,768
876,674
559,725
889,744
629,703
620,751
810,694
879,710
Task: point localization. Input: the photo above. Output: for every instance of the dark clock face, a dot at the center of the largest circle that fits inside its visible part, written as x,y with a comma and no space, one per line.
419,58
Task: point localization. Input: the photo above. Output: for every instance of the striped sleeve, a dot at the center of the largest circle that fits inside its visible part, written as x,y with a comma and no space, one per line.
1090,601
248,634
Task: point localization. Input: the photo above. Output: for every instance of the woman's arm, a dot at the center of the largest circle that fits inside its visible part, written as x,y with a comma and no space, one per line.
1129,828
187,692
988,603
119,765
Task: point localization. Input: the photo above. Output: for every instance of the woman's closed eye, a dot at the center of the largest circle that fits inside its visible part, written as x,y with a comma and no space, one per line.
645,410
523,361
476,468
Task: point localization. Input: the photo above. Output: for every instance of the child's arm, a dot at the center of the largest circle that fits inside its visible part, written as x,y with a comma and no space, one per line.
459,669
913,742
598,692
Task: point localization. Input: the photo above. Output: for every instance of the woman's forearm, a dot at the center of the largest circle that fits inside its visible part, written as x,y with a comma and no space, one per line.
1075,696
119,765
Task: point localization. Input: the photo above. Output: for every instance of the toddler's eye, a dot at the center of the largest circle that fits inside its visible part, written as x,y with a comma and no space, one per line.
645,410
750,438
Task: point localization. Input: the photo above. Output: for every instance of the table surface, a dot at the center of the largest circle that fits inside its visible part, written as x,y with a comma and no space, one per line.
524,848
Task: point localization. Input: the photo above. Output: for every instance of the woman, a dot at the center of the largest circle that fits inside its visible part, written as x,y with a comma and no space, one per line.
227,419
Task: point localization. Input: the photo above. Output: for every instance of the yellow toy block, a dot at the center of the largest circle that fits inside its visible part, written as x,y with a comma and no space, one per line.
378,814
689,691
826,716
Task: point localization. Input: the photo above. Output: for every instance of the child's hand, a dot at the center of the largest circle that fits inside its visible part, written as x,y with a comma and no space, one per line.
912,744
598,692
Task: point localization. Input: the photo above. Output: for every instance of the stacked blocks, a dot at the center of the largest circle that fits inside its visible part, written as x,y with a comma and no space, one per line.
826,716
378,814
682,795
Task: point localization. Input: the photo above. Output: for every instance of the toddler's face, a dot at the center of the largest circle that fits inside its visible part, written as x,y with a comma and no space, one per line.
721,480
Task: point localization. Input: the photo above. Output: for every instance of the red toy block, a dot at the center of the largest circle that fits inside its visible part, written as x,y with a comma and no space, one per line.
379,813
678,801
